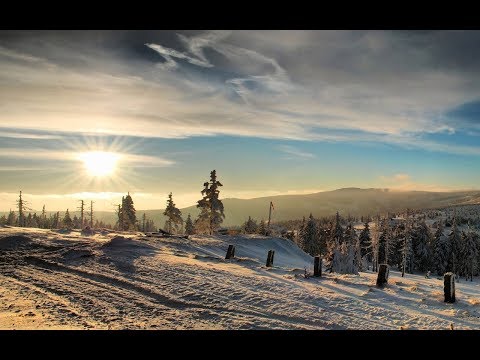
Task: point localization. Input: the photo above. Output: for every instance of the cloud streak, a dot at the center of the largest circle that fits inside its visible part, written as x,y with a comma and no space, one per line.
295,153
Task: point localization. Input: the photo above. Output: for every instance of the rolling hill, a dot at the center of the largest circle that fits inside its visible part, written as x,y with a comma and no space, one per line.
354,201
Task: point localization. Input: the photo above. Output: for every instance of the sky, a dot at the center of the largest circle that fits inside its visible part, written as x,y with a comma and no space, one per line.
274,112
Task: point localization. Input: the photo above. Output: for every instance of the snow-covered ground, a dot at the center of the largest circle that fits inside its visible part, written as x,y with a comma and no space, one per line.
53,280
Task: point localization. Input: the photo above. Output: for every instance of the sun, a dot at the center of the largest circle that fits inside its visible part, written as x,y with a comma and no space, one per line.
99,163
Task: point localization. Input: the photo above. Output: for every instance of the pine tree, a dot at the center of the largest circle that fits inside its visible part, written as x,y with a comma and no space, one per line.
352,254
350,236
358,255
144,220
375,244
212,211
202,223
366,243
128,211
250,226
28,220
470,253
335,264
348,255
12,218
67,221
150,225
43,218
174,216
455,240
407,250
311,243
441,251
262,230
384,242
337,230
120,215
421,241
189,228
22,207
76,222
301,234
3,220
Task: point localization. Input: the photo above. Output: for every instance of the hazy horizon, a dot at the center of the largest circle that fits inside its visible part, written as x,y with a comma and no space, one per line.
102,201
93,115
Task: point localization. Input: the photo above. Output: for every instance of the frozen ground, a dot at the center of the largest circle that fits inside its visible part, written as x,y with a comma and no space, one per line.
52,280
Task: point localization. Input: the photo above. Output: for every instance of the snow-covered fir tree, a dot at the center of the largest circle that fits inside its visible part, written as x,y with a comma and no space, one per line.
262,230
211,207
350,238
407,249
189,228
375,244
202,222
174,217
337,230
301,234
455,247
366,243
333,259
348,259
12,218
311,244
421,246
67,220
384,242
250,226
469,254
441,251
360,264
127,214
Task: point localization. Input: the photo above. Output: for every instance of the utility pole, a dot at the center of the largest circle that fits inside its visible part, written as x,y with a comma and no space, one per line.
91,214
269,216
20,211
81,208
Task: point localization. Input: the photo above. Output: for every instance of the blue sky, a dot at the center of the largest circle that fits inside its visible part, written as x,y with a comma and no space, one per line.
274,112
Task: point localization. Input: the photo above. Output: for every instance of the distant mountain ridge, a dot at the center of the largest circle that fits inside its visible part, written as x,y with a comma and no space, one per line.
354,201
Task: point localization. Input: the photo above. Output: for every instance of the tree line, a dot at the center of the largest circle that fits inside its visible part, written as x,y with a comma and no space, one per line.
208,221
407,244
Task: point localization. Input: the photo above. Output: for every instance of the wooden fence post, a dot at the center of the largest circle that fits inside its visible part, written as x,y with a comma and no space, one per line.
449,287
317,266
270,255
230,252
382,277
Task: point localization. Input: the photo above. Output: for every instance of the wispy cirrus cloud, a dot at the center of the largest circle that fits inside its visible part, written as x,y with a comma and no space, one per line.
295,153
386,87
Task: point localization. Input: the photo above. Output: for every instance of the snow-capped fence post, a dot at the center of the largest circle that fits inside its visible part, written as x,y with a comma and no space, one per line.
382,277
230,252
449,287
270,255
317,266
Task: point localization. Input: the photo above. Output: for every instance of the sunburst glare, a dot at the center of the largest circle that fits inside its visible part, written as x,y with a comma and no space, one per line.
99,163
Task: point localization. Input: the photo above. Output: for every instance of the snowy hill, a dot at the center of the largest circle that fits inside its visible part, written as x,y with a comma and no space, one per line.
353,201
52,279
